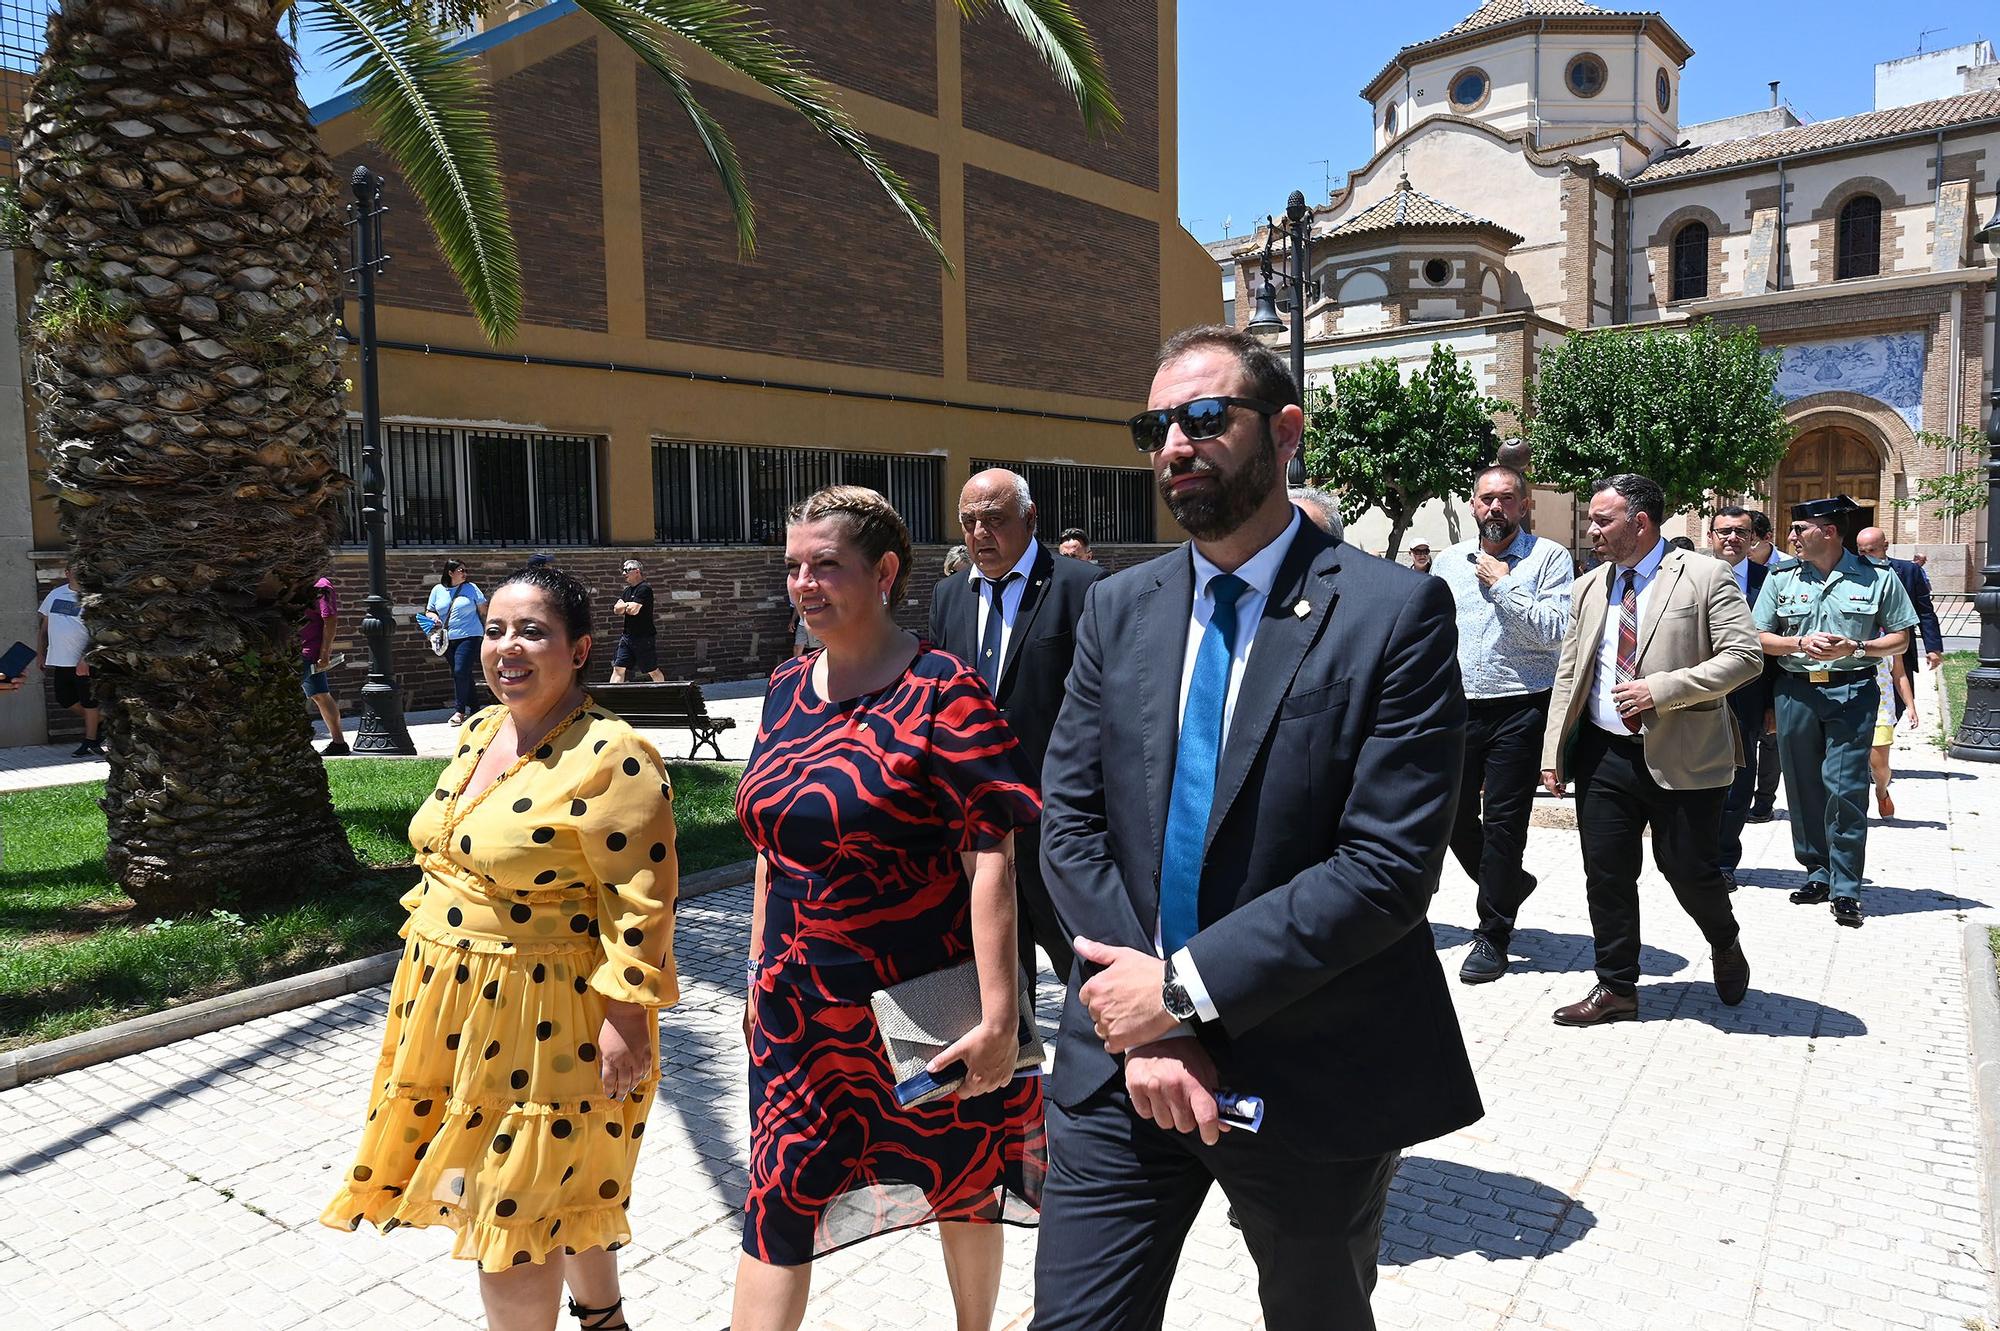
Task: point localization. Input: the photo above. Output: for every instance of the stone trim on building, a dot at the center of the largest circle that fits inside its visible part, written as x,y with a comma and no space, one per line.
1660,255
1826,240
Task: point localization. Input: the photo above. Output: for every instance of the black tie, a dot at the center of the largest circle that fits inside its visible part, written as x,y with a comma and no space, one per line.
989,641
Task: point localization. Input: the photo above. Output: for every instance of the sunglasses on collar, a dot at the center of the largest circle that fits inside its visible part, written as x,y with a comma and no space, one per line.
1203,418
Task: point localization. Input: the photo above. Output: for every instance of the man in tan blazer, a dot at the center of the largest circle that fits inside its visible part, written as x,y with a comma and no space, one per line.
1639,719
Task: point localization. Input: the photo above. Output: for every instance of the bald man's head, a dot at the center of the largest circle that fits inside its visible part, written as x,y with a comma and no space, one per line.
1873,542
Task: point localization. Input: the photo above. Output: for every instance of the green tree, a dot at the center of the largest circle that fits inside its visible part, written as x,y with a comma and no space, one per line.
188,231
1392,444
1960,490
1694,409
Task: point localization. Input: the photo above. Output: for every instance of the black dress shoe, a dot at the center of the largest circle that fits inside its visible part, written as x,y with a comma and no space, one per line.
1811,894
1600,1006
1732,974
1847,911
1760,813
1486,962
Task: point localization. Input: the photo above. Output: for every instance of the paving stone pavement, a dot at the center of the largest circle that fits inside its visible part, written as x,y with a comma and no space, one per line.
1806,1160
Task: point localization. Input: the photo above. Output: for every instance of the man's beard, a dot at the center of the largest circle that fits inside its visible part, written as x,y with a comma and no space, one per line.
1212,513
1497,530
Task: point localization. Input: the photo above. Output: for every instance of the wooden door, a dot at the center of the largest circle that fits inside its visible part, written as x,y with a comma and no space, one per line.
1829,461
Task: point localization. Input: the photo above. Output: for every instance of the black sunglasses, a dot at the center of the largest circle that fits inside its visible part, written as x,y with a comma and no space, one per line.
1203,418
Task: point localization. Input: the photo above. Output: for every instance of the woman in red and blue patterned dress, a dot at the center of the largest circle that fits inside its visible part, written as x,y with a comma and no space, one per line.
882,798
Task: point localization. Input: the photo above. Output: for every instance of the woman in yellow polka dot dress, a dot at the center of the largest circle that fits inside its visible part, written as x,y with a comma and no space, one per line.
522,1048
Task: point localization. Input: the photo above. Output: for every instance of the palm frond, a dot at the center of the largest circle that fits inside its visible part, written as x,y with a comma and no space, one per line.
1068,49
429,108
729,33
639,32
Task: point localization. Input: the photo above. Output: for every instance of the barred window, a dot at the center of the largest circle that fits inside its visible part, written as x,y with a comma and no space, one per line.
1690,262
446,486
729,494
1113,505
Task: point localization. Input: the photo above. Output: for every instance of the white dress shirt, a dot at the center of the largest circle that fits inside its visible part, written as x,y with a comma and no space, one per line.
1010,601
1604,712
1259,573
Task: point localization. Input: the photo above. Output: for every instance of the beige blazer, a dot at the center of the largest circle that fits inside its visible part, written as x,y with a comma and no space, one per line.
1697,642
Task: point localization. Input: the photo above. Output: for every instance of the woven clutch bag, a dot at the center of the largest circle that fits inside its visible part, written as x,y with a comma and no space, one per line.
922,1017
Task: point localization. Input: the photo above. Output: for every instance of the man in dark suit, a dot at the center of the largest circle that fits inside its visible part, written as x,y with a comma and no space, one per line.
1873,543
1023,653
1247,800
1732,533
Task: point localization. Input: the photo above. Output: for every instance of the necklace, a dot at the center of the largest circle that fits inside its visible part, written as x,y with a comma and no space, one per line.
453,815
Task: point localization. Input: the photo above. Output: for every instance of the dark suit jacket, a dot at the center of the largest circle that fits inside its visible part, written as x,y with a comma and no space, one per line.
1038,651
1334,799
1918,584
1749,701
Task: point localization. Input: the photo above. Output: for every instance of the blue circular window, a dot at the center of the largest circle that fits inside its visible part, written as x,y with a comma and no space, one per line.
1663,90
1586,75
1468,89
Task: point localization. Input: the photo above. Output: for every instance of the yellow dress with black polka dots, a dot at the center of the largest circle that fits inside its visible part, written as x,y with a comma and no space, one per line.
542,896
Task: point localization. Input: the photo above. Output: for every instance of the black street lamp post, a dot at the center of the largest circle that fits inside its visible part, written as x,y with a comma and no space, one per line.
1979,731
382,728
1296,227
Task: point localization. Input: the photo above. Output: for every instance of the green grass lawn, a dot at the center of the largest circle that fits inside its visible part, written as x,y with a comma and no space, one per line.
1956,665
72,955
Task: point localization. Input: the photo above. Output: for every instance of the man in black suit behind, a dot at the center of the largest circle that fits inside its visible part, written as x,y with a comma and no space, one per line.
1023,654
1874,543
1247,800
1732,533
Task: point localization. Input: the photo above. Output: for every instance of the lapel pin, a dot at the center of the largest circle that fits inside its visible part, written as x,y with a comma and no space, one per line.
1302,609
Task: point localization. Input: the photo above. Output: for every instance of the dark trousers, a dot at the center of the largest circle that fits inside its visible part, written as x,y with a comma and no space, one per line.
1122,1195
1035,918
1747,704
1825,731
1617,799
464,656
1496,793
1770,769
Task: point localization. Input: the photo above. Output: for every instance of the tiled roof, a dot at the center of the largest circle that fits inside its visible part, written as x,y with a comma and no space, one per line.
1940,114
1495,12
1407,208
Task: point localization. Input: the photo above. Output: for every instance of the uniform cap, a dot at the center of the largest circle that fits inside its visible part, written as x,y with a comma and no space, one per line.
1824,510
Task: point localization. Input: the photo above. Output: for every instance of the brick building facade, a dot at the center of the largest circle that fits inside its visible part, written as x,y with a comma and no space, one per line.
667,397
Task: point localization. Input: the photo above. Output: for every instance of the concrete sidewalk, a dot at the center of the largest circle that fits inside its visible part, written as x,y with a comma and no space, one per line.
1805,1161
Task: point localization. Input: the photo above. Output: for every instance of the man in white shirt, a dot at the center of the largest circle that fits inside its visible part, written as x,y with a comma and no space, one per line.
64,643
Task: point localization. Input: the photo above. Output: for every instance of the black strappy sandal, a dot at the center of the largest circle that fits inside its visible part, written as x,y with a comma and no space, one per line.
583,1316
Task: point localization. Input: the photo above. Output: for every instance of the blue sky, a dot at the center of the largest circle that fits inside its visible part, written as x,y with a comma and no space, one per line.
1251,133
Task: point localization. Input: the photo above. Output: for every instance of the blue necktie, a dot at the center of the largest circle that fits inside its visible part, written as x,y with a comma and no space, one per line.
1194,769
989,641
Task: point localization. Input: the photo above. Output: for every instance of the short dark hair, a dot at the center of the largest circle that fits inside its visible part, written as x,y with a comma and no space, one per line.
1760,524
1073,534
1681,542
1734,511
1270,379
1641,494
1511,473
571,598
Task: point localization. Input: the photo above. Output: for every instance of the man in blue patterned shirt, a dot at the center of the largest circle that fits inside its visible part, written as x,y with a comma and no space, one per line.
1513,593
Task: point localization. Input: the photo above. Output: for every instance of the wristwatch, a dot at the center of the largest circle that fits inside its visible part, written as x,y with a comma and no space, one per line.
1174,997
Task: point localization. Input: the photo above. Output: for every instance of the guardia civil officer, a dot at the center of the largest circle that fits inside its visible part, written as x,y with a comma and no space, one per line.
1826,617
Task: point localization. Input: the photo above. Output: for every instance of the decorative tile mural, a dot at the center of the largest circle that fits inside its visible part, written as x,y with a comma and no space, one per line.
1889,368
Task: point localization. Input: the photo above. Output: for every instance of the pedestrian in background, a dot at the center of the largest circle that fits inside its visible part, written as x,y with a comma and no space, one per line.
1731,534
1890,681
1873,543
1764,796
1823,616
1511,589
1659,638
315,651
459,606
638,636
62,641
1420,557
954,560
1076,544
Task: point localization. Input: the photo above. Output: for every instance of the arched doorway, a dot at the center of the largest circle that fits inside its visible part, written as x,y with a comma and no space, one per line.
1829,460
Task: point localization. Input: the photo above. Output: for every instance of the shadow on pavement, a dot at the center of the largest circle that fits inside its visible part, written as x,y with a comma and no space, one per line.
1876,898
1920,774
1542,952
1762,1011
1440,1208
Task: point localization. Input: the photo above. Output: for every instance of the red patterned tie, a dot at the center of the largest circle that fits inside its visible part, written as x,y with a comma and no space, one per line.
1628,638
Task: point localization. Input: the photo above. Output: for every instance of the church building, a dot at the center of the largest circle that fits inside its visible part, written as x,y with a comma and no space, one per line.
1532,178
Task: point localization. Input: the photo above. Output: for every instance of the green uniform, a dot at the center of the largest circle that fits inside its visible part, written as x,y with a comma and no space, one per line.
1826,709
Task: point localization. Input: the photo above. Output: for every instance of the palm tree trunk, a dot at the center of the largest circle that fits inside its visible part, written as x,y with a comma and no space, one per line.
188,231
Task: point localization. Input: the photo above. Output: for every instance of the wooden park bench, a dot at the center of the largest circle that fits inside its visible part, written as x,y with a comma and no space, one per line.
675,705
